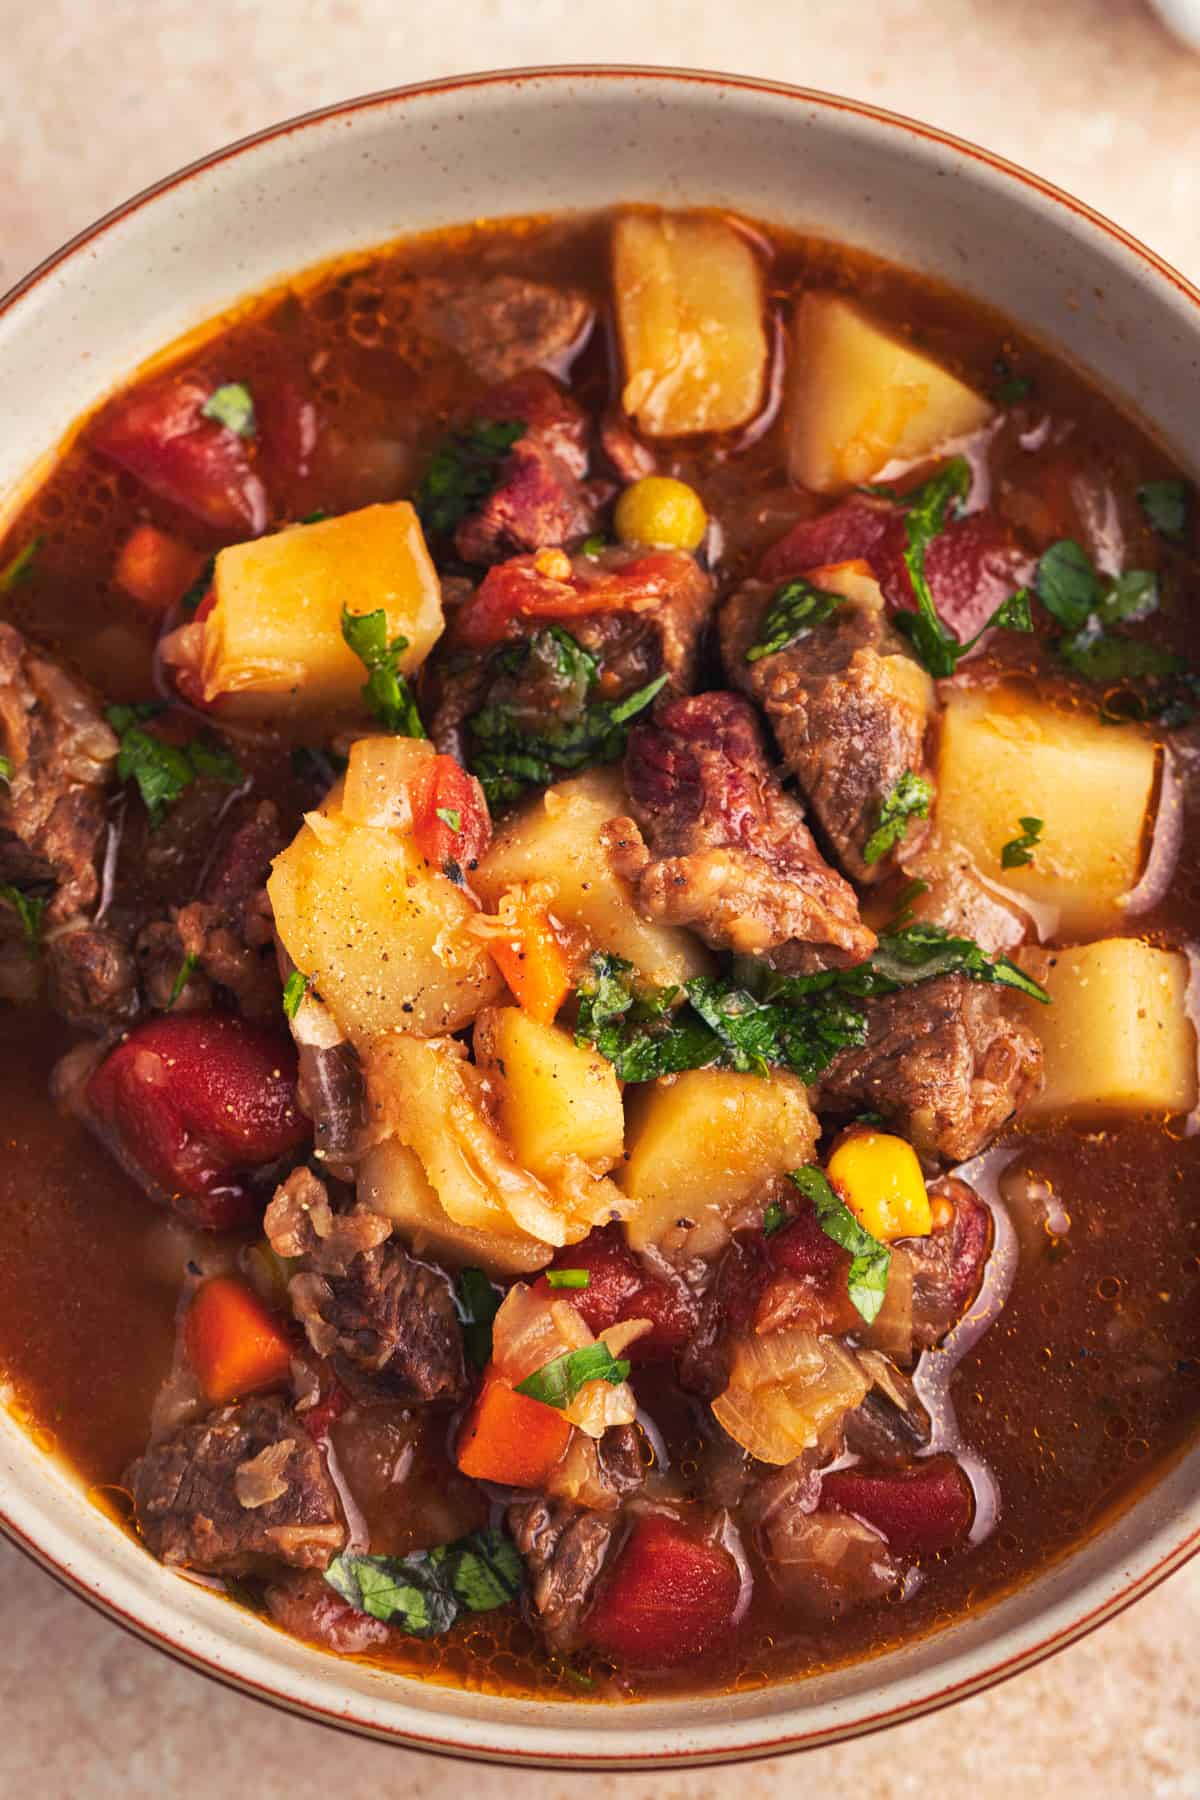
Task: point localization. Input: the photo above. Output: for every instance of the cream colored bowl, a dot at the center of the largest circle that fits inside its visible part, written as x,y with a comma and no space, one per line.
532,142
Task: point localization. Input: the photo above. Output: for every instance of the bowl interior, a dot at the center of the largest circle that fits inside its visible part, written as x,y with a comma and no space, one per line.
527,143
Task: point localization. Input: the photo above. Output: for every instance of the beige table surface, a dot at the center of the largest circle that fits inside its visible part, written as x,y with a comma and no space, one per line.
99,97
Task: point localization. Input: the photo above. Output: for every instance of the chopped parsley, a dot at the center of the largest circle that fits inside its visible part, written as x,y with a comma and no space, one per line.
1009,388
1087,606
592,547
775,1217
540,721
463,471
867,1277
477,1302
450,816
905,900
162,771
294,990
909,799
29,909
187,969
386,690
425,1592
795,609
20,567
1166,506
568,1278
557,1382
6,770
232,405
1016,853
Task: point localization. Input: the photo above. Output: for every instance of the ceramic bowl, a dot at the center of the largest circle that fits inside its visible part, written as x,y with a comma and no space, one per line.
538,141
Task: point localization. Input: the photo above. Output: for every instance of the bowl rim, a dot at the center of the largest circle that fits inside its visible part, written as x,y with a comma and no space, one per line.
755,1739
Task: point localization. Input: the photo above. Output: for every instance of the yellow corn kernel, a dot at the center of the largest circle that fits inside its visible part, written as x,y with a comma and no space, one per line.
661,513
880,1180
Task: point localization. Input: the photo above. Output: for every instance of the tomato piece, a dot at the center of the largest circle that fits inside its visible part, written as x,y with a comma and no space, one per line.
286,424
549,586
450,814
847,533
320,1419
235,1345
919,1510
509,1437
620,1286
191,1102
159,433
670,1597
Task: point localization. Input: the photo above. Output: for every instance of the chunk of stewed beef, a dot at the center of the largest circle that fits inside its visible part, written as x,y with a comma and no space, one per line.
891,1424
725,850
242,1490
387,1320
948,1265
598,1474
947,1061
564,1548
92,976
849,706
501,324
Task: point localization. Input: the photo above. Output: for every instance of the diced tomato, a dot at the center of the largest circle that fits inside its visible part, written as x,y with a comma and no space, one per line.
509,1438
285,417
844,534
193,1101
671,1596
549,586
155,568
450,814
235,1345
620,1286
159,433
809,1285
533,962
919,1510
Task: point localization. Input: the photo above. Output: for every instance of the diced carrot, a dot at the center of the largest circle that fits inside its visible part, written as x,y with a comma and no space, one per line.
155,568
233,1343
509,1438
533,962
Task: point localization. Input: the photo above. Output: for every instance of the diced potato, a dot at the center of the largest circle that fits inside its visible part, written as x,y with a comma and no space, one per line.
556,840
375,790
860,398
690,315
707,1141
557,1098
379,933
1006,755
391,1181
852,580
273,645
1117,1036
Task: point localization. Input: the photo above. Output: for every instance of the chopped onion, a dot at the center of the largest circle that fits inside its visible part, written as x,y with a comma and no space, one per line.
531,1330
891,1330
787,1392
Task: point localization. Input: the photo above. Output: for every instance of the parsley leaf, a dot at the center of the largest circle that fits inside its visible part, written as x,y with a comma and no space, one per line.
557,1382
867,1278
6,770
591,547
20,567
775,1217
909,799
425,1592
29,909
232,405
1015,854
1009,388
386,691
1086,606
187,969
568,1278
160,770
294,990
450,816
1067,585
1166,506
795,609
477,1302
462,472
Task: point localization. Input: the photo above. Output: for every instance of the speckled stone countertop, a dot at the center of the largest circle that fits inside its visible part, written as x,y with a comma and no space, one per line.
100,97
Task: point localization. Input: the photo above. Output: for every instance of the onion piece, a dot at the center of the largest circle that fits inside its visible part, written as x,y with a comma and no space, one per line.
532,1329
787,1392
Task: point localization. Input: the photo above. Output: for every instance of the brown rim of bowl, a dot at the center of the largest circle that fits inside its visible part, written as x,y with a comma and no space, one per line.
766,1746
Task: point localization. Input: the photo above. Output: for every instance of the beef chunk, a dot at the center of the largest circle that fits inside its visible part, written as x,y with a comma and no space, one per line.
92,977
540,499
949,1264
891,1425
849,706
502,324
60,753
598,1474
630,457
728,851
387,1320
245,1488
948,1061
565,1548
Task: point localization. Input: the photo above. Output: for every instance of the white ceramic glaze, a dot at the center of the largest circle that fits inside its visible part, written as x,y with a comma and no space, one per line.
529,142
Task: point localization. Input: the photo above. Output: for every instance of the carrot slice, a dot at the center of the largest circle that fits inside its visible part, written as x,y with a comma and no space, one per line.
533,963
155,568
509,1438
233,1343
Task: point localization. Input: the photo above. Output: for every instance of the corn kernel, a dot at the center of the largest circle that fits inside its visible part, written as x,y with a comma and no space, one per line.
661,513
879,1178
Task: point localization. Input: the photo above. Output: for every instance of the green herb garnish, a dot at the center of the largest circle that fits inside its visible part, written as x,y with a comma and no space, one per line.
6,770
1016,853
909,799
1009,388
160,770
568,1278
425,1592
187,969
1087,606
29,909
386,692
20,567
463,471
775,1217
1166,506
557,1383
294,990
796,608
232,405
450,816
867,1278
591,547
477,1302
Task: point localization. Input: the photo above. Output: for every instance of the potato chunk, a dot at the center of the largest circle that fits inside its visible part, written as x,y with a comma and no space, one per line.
380,934
1006,755
392,1181
558,1099
556,839
707,1141
689,303
273,645
1117,1036
860,398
